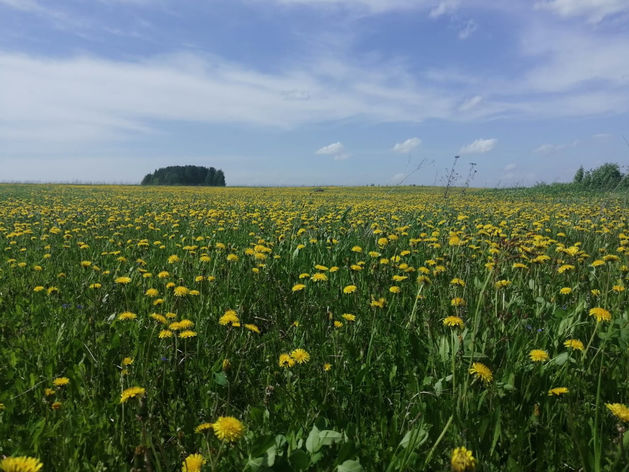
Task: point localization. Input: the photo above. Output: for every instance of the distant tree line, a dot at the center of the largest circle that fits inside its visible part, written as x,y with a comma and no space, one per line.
606,177
186,175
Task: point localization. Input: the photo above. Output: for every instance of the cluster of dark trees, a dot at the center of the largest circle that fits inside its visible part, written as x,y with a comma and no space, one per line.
186,175
606,177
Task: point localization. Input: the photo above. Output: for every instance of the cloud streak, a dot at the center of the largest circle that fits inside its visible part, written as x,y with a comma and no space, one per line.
479,146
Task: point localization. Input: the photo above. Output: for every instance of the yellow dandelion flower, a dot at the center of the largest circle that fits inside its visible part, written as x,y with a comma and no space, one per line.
557,391
300,356
181,291
252,327
502,283
395,289
56,405
286,360
481,371
228,428
348,317
327,367
159,318
122,280
127,315
619,410
304,275
357,249
39,288
193,463
21,464
462,460
165,333
298,287
127,361
601,314
457,301
453,321
203,427
538,355
574,344
49,392
131,393
349,289
232,258
319,277
151,292
338,324
379,303
163,274
457,281
172,259
230,317
187,334
565,291
61,381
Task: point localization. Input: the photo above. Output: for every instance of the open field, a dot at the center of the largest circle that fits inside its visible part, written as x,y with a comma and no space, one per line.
289,329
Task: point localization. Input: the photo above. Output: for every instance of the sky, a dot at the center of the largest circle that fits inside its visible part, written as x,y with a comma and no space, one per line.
314,92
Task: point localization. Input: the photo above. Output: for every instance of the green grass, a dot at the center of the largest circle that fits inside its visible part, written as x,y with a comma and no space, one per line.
398,395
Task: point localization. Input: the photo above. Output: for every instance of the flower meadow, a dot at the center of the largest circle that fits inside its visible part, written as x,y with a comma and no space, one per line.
343,329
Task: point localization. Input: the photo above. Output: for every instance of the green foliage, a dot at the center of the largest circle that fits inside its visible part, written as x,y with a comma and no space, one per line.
186,175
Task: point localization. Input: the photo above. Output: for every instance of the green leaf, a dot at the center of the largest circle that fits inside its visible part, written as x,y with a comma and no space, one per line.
312,442
220,378
350,466
299,460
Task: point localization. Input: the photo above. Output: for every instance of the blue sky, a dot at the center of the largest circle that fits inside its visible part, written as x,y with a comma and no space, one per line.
313,92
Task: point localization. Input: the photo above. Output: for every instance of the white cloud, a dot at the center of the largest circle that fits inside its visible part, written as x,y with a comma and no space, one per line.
479,146
594,10
545,149
468,28
331,149
510,167
470,103
407,146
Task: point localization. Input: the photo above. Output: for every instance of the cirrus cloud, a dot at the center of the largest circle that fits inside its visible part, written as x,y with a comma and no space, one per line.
407,146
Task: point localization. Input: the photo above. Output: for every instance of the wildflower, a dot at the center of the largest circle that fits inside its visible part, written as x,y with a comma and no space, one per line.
595,292
127,315
319,277
327,367
56,405
462,460
39,288
286,360
348,317
298,287
163,274
357,249
557,391
482,372
165,333
127,361
502,283
193,463
457,301
172,259
228,428
230,317
48,392
321,268
457,281
21,464
159,318
61,381
601,314
252,327
382,242
349,289
122,280
151,292
52,290
379,303
187,334
181,291
453,321
565,291
538,355
394,289
203,427
618,288
338,324
95,285
574,344
232,258
564,268
619,410
131,393
304,275
300,356
226,365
